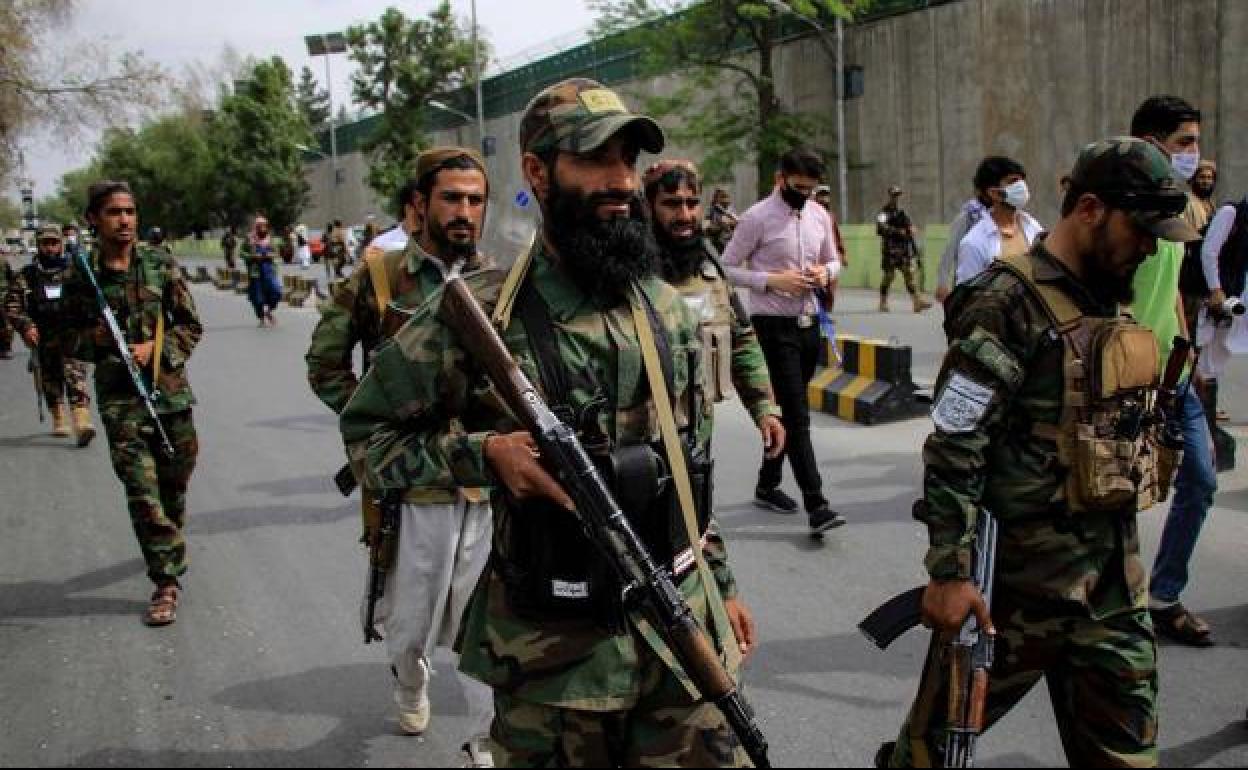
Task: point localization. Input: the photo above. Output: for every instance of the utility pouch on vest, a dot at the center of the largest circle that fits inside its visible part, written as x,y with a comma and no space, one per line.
1106,441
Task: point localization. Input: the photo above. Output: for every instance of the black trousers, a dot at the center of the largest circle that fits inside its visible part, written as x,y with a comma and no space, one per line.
792,355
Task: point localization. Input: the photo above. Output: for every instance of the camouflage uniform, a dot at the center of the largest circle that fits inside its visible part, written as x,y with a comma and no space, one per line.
565,690
896,250
6,327
732,358
34,300
1071,598
155,485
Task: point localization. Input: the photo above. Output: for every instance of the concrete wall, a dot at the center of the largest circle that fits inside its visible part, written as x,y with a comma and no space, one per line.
1034,79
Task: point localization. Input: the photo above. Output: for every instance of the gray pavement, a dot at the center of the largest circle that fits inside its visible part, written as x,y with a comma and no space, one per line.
266,665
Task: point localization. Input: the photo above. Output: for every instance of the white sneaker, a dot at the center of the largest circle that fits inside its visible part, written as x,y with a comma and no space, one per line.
415,721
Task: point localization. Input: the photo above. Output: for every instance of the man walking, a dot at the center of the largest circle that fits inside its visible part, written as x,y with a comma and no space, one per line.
153,305
1173,126
898,250
35,302
784,252
577,681
1070,589
443,537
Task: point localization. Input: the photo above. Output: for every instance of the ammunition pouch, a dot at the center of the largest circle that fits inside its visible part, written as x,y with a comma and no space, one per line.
551,570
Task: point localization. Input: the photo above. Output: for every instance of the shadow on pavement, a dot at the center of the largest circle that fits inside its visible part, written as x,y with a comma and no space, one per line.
242,519
356,695
38,441
319,484
47,599
786,666
1197,752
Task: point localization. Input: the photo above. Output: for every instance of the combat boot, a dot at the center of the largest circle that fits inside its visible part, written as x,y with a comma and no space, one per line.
883,303
920,304
60,420
83,426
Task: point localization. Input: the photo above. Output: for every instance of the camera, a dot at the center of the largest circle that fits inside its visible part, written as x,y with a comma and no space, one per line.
1229,310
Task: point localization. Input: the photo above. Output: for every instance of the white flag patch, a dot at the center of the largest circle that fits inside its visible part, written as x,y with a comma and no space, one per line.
962,404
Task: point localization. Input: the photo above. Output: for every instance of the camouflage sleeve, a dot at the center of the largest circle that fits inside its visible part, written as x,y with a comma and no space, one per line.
400,420
184,328
330,354
978,379
15,303
716,552
749,373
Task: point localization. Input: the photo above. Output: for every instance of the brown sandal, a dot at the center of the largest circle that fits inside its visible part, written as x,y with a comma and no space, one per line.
1177,623
162,610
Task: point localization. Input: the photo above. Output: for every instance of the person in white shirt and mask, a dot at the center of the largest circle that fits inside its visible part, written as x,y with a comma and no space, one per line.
1007,231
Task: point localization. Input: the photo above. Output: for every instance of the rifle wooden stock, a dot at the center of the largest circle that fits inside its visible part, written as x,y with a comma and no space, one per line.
602,519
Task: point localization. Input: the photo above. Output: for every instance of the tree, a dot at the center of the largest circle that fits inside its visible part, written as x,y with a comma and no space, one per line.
10,214
256,134
313,101
401,64
62,89
726,101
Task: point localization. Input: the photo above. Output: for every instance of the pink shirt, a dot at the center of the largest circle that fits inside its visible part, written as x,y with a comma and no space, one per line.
772,237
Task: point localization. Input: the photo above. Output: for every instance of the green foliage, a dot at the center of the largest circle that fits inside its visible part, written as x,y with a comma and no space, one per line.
10,214
726,99
401,64
256,134
194,170
313,101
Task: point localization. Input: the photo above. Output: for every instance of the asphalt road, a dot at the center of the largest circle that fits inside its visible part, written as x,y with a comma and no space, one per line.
266,666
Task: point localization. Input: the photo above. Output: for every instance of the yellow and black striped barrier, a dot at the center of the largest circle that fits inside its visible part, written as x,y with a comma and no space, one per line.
865,381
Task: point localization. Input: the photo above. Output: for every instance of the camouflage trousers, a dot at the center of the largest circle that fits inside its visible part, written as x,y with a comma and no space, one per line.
908,273
664,729
62,376
1101,675
155,485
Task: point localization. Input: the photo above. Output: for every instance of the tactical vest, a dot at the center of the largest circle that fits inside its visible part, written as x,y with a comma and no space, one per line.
45,300
710,297
1106,441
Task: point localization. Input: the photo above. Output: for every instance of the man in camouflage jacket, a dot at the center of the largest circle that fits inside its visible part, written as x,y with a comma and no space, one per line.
1071,600
35,303
576,681
157,316
444,534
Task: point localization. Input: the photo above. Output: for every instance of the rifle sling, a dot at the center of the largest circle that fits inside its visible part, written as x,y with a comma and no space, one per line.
643,319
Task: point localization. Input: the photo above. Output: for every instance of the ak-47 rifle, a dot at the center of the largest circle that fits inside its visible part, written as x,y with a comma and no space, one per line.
380,558
646,585
146,395
36,373
972,649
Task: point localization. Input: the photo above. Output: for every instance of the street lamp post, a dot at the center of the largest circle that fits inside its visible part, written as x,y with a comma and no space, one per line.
327,45
477,73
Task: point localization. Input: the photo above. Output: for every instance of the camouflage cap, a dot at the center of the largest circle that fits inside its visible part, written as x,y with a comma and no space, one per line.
1134,176
579,116
434,160
49,232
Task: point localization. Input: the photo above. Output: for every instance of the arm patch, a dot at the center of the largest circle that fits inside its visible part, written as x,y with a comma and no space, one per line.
983,348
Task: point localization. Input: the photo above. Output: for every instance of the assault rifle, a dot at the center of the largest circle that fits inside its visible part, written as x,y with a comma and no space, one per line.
146,395
972,649
36,373
381,557
646,585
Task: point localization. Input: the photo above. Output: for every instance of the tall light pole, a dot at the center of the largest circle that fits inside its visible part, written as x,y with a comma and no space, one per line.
477,73
837,53
326,45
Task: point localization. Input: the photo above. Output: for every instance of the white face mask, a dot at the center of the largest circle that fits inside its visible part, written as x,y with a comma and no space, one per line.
1017,194
1185,164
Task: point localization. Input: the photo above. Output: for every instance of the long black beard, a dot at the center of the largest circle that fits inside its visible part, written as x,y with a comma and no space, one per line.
681,257
450,250
603,258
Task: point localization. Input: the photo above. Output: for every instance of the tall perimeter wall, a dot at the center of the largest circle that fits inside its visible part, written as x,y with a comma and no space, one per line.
944,86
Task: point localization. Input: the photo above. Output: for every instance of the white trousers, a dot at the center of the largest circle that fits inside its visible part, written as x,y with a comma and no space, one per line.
442,551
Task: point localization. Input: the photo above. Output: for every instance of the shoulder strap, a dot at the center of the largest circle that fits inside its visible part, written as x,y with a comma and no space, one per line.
511,286
540,329
734,299
672,446
374,258
1061,309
